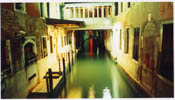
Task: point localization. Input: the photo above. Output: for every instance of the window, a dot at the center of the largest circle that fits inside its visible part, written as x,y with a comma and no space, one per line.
109,11
121,6
76,12
41,10
116,8
90,13
6,57
20,7
65,40
136,43
105,11
51,44
48,12
95,12
81,12
66,15
58,10
100,11
71,12
127,41
44,46
86,13
120,42
129,4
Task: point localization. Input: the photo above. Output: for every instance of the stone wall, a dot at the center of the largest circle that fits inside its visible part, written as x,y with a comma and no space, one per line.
20,28
17,83
148,16
14,22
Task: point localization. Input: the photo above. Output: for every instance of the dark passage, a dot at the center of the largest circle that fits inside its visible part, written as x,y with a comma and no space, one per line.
91,42
166,64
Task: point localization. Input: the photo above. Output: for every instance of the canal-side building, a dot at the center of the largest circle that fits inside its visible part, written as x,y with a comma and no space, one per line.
31,43
142,36
138,36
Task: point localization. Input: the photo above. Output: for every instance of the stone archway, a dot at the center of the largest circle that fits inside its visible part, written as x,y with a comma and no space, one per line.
29,60
28,40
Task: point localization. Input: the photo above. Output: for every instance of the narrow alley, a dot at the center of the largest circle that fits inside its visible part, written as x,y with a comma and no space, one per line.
87,50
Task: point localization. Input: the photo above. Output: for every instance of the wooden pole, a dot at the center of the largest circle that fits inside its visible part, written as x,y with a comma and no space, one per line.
72,57
47,83
64,70
69,61
59,65
50,80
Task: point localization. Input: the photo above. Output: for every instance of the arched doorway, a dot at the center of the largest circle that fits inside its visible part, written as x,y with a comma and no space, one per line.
29,61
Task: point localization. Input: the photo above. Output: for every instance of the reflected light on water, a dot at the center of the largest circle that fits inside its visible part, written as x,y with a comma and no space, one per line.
106,93
98,78
75,93
91,92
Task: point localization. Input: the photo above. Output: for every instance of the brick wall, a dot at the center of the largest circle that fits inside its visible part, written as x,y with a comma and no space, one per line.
13,22
16,84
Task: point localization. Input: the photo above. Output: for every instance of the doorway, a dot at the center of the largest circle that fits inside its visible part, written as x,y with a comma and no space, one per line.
166,62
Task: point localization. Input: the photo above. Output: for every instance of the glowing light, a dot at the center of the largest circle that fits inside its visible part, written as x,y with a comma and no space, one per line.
91,45
106,93
75,93
115,38
73,46
91,92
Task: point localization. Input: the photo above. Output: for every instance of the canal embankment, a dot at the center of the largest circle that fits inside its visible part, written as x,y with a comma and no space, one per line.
134,81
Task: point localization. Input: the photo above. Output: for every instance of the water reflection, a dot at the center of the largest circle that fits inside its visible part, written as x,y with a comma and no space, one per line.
91,91
97,77
106,93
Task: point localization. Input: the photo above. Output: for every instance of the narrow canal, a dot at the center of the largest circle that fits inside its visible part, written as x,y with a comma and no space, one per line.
98,77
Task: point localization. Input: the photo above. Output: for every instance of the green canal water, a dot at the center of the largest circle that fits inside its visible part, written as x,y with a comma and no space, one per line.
98,77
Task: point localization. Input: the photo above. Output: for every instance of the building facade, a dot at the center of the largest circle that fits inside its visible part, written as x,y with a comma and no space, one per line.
31,45
138,42
135,34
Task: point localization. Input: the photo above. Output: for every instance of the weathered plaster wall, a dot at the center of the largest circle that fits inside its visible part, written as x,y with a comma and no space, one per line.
166,10
137,16
108,41
15,86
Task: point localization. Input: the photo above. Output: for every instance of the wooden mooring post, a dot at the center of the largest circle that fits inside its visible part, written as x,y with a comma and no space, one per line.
64,71
49,81
72,57
69,61
59,65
